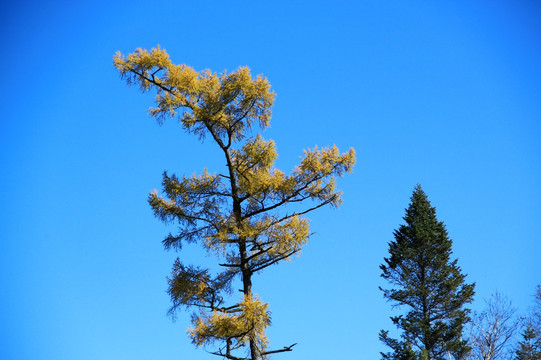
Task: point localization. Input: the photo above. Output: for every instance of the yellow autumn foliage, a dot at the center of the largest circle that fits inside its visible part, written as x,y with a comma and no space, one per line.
249,321
250,216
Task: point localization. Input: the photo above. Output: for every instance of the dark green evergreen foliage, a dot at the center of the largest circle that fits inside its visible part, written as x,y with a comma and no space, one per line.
429,284
529,348
536,314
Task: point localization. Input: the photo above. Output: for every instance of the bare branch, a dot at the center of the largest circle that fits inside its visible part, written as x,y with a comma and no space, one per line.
231,265
274,261
492,329
286,348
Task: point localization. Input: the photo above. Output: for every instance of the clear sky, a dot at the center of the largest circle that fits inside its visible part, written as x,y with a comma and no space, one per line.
442,93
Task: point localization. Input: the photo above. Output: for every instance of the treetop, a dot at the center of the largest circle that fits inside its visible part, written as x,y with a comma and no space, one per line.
233,102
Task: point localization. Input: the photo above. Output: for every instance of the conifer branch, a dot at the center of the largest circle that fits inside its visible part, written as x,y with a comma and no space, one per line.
286,348
154,82
274,261
231,265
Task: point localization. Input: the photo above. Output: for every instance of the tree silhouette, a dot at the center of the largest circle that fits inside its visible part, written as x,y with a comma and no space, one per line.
428,284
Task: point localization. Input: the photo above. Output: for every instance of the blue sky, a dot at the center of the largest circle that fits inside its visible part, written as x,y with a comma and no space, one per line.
445,94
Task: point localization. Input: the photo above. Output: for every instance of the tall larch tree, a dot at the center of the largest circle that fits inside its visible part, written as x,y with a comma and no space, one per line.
239,215
428,285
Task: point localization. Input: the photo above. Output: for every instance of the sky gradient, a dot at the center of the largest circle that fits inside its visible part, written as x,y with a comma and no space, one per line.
445,94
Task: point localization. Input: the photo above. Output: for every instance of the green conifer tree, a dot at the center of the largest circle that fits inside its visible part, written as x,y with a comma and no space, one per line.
428,284
529,348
